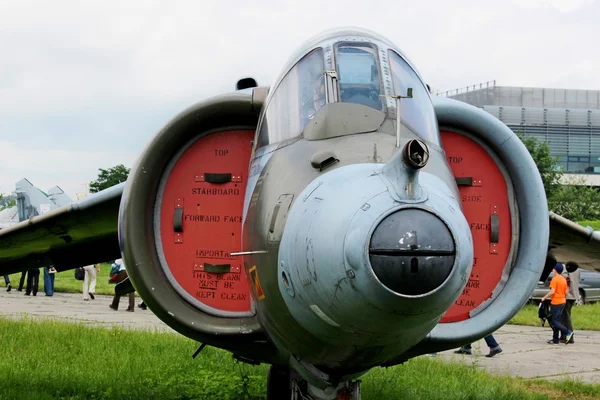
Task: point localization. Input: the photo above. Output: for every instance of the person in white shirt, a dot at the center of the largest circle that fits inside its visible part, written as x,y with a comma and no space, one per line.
90,277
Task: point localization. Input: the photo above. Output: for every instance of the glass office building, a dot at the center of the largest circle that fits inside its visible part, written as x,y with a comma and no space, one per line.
569,120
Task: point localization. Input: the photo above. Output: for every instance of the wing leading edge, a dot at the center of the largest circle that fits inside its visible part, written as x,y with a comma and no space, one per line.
81,233
85,232
570,241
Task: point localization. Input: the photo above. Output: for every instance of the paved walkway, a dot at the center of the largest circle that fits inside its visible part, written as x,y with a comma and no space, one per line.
72,307
525,354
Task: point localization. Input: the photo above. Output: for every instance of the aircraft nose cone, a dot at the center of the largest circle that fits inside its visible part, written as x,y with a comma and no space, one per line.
412,251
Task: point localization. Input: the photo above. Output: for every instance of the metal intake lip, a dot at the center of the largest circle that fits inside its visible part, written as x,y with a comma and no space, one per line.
412,252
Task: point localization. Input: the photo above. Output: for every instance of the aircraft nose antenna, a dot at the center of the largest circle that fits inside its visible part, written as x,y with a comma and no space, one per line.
412,252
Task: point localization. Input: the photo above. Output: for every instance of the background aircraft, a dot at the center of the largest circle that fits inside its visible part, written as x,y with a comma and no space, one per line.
30,202
339,220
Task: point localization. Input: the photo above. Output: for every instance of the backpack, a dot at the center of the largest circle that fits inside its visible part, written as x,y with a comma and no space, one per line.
544,312
114,273
79,273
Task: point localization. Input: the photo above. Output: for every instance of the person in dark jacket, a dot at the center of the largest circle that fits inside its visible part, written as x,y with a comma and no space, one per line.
22,281
573,276
49,273
489,340
120,278
7,281
33,281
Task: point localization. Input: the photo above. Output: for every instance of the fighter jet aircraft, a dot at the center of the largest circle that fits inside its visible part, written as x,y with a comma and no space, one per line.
339,220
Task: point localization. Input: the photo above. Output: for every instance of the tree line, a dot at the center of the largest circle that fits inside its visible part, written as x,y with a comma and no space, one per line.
572,200
7,201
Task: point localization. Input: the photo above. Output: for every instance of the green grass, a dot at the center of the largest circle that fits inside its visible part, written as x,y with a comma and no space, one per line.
66,282
426,378
594,224
585,317
58,360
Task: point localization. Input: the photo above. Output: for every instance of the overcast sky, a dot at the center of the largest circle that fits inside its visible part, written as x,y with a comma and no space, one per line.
85,84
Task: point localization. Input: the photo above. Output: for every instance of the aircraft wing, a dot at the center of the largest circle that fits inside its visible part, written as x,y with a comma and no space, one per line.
570,241
79,234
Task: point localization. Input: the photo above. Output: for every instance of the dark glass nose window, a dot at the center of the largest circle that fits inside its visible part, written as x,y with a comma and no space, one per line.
358,74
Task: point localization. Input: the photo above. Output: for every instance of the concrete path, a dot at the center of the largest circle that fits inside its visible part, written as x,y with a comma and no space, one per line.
525,354
72,307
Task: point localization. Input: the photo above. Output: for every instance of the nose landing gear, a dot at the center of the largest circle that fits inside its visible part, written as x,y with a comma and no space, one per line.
283,383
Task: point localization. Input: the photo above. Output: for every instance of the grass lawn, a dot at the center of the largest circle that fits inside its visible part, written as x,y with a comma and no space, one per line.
59,360
594,224
66,282
585,317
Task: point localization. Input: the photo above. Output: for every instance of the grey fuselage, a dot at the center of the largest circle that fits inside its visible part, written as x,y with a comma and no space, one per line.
274,181
324,305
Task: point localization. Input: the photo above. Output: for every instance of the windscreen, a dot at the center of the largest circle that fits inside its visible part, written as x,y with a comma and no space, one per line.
358,74
295,101
417,112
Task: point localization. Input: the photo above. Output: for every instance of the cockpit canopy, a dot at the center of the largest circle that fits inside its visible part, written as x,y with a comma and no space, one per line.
354,68
358,74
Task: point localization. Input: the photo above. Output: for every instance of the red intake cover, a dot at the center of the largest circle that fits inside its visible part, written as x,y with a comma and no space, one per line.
483,202
201,220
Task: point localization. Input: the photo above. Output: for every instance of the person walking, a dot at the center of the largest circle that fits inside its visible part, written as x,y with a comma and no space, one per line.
33,281
7,281
558,293
491,343
90,277
49,273
120,278
573,277
22,281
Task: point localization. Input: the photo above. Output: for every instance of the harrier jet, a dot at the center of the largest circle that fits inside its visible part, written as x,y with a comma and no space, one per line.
339,220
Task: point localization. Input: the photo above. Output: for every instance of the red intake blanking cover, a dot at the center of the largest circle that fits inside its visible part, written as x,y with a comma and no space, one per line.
485,204
201,220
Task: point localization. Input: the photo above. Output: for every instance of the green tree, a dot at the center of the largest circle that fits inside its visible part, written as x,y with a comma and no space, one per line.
109,177
548,166
572,200
7,201
576,202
